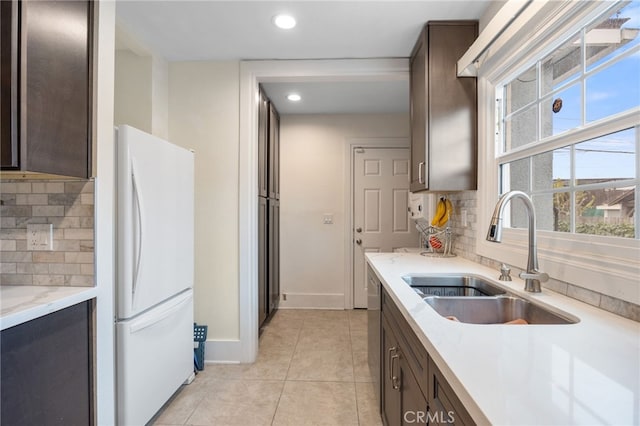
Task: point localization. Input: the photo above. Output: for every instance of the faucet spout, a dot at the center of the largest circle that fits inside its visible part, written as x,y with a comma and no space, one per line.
532,276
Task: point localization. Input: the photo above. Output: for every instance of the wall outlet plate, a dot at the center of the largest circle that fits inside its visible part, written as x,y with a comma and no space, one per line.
40,237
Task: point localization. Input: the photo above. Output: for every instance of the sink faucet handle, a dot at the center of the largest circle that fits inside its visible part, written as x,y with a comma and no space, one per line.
505,273
536,275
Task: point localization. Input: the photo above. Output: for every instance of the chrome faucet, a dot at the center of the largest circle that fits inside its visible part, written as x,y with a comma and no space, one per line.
532,277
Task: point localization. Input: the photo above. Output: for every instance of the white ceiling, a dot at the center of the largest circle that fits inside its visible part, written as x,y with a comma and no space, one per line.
341,97
236,30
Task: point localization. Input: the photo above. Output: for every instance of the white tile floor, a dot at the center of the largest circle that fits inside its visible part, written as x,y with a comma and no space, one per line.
311,370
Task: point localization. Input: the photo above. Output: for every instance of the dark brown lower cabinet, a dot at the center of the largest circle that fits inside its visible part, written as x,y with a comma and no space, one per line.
391,405
402,400
263,252
414,391
46,368
274,256
444,401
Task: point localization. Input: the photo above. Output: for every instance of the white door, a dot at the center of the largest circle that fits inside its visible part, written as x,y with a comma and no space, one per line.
381,219
155,220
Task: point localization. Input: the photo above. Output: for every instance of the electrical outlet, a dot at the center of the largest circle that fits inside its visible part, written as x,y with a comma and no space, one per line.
40,237
284,296
464,219
327,218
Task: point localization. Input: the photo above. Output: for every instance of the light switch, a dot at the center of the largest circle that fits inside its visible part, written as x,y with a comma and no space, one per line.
327,218
40,237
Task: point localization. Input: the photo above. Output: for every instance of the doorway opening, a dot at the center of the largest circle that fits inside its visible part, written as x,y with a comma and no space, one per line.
252,73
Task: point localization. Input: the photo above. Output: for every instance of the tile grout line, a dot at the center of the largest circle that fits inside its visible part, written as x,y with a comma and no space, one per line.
355,395
353,363
186,422
284,382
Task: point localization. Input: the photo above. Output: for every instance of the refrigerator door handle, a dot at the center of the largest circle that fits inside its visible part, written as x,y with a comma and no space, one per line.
137,234
148,322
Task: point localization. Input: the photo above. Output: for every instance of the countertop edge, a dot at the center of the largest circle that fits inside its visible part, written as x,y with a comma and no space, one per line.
44,300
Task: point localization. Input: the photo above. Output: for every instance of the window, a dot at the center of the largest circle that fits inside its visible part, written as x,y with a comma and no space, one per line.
568,130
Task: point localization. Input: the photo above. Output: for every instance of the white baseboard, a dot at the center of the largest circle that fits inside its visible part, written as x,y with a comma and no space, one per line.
312,301
222,351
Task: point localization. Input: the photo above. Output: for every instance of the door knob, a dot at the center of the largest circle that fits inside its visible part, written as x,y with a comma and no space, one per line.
358,241
358,229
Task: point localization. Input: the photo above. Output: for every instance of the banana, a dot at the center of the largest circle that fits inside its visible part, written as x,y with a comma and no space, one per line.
441,209
448,209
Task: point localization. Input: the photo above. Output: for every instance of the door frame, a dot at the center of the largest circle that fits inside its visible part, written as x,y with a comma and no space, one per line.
349,200
251,74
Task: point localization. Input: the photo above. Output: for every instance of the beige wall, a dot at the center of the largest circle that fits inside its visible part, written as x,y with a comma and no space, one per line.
312,177
142,92
160,97
132,98
204,116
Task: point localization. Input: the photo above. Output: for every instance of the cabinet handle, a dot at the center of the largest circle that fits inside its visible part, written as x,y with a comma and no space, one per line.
395,383
391,349
420,167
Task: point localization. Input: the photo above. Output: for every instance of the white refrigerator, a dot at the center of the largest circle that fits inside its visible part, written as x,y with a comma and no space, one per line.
154,290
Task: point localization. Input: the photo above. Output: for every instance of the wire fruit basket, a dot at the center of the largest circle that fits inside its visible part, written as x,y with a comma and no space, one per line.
437,242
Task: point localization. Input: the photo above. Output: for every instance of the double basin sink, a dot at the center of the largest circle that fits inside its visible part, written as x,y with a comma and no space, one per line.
472,299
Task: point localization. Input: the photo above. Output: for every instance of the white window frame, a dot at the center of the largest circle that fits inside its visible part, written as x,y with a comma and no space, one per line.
607,265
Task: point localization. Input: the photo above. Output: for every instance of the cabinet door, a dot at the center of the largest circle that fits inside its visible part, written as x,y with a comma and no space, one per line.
274,153
262,260
263,140
418,102
274,255
46,369
452,109
445,407
9,148
414,403
55,92
443,110
390,380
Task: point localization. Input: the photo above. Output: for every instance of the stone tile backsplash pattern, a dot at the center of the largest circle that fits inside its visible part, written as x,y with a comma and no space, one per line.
465,246
69,207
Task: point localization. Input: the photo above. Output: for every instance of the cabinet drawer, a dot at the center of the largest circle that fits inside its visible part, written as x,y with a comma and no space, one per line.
414,351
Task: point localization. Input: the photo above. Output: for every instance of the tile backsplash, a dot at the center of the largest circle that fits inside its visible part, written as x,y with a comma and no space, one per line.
465,246
68,205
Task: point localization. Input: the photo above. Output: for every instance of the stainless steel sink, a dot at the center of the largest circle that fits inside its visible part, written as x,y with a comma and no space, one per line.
496,310
452,285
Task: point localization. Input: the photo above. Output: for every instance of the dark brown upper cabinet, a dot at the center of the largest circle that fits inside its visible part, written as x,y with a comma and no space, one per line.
46,87
443,110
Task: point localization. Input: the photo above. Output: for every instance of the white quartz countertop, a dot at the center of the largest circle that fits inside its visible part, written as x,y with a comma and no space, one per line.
584,373
19,304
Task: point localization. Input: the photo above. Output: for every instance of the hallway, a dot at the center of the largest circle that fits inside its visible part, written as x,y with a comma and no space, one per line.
311,370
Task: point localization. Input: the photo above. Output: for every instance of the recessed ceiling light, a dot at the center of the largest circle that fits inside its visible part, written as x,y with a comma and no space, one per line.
286,22
293,97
